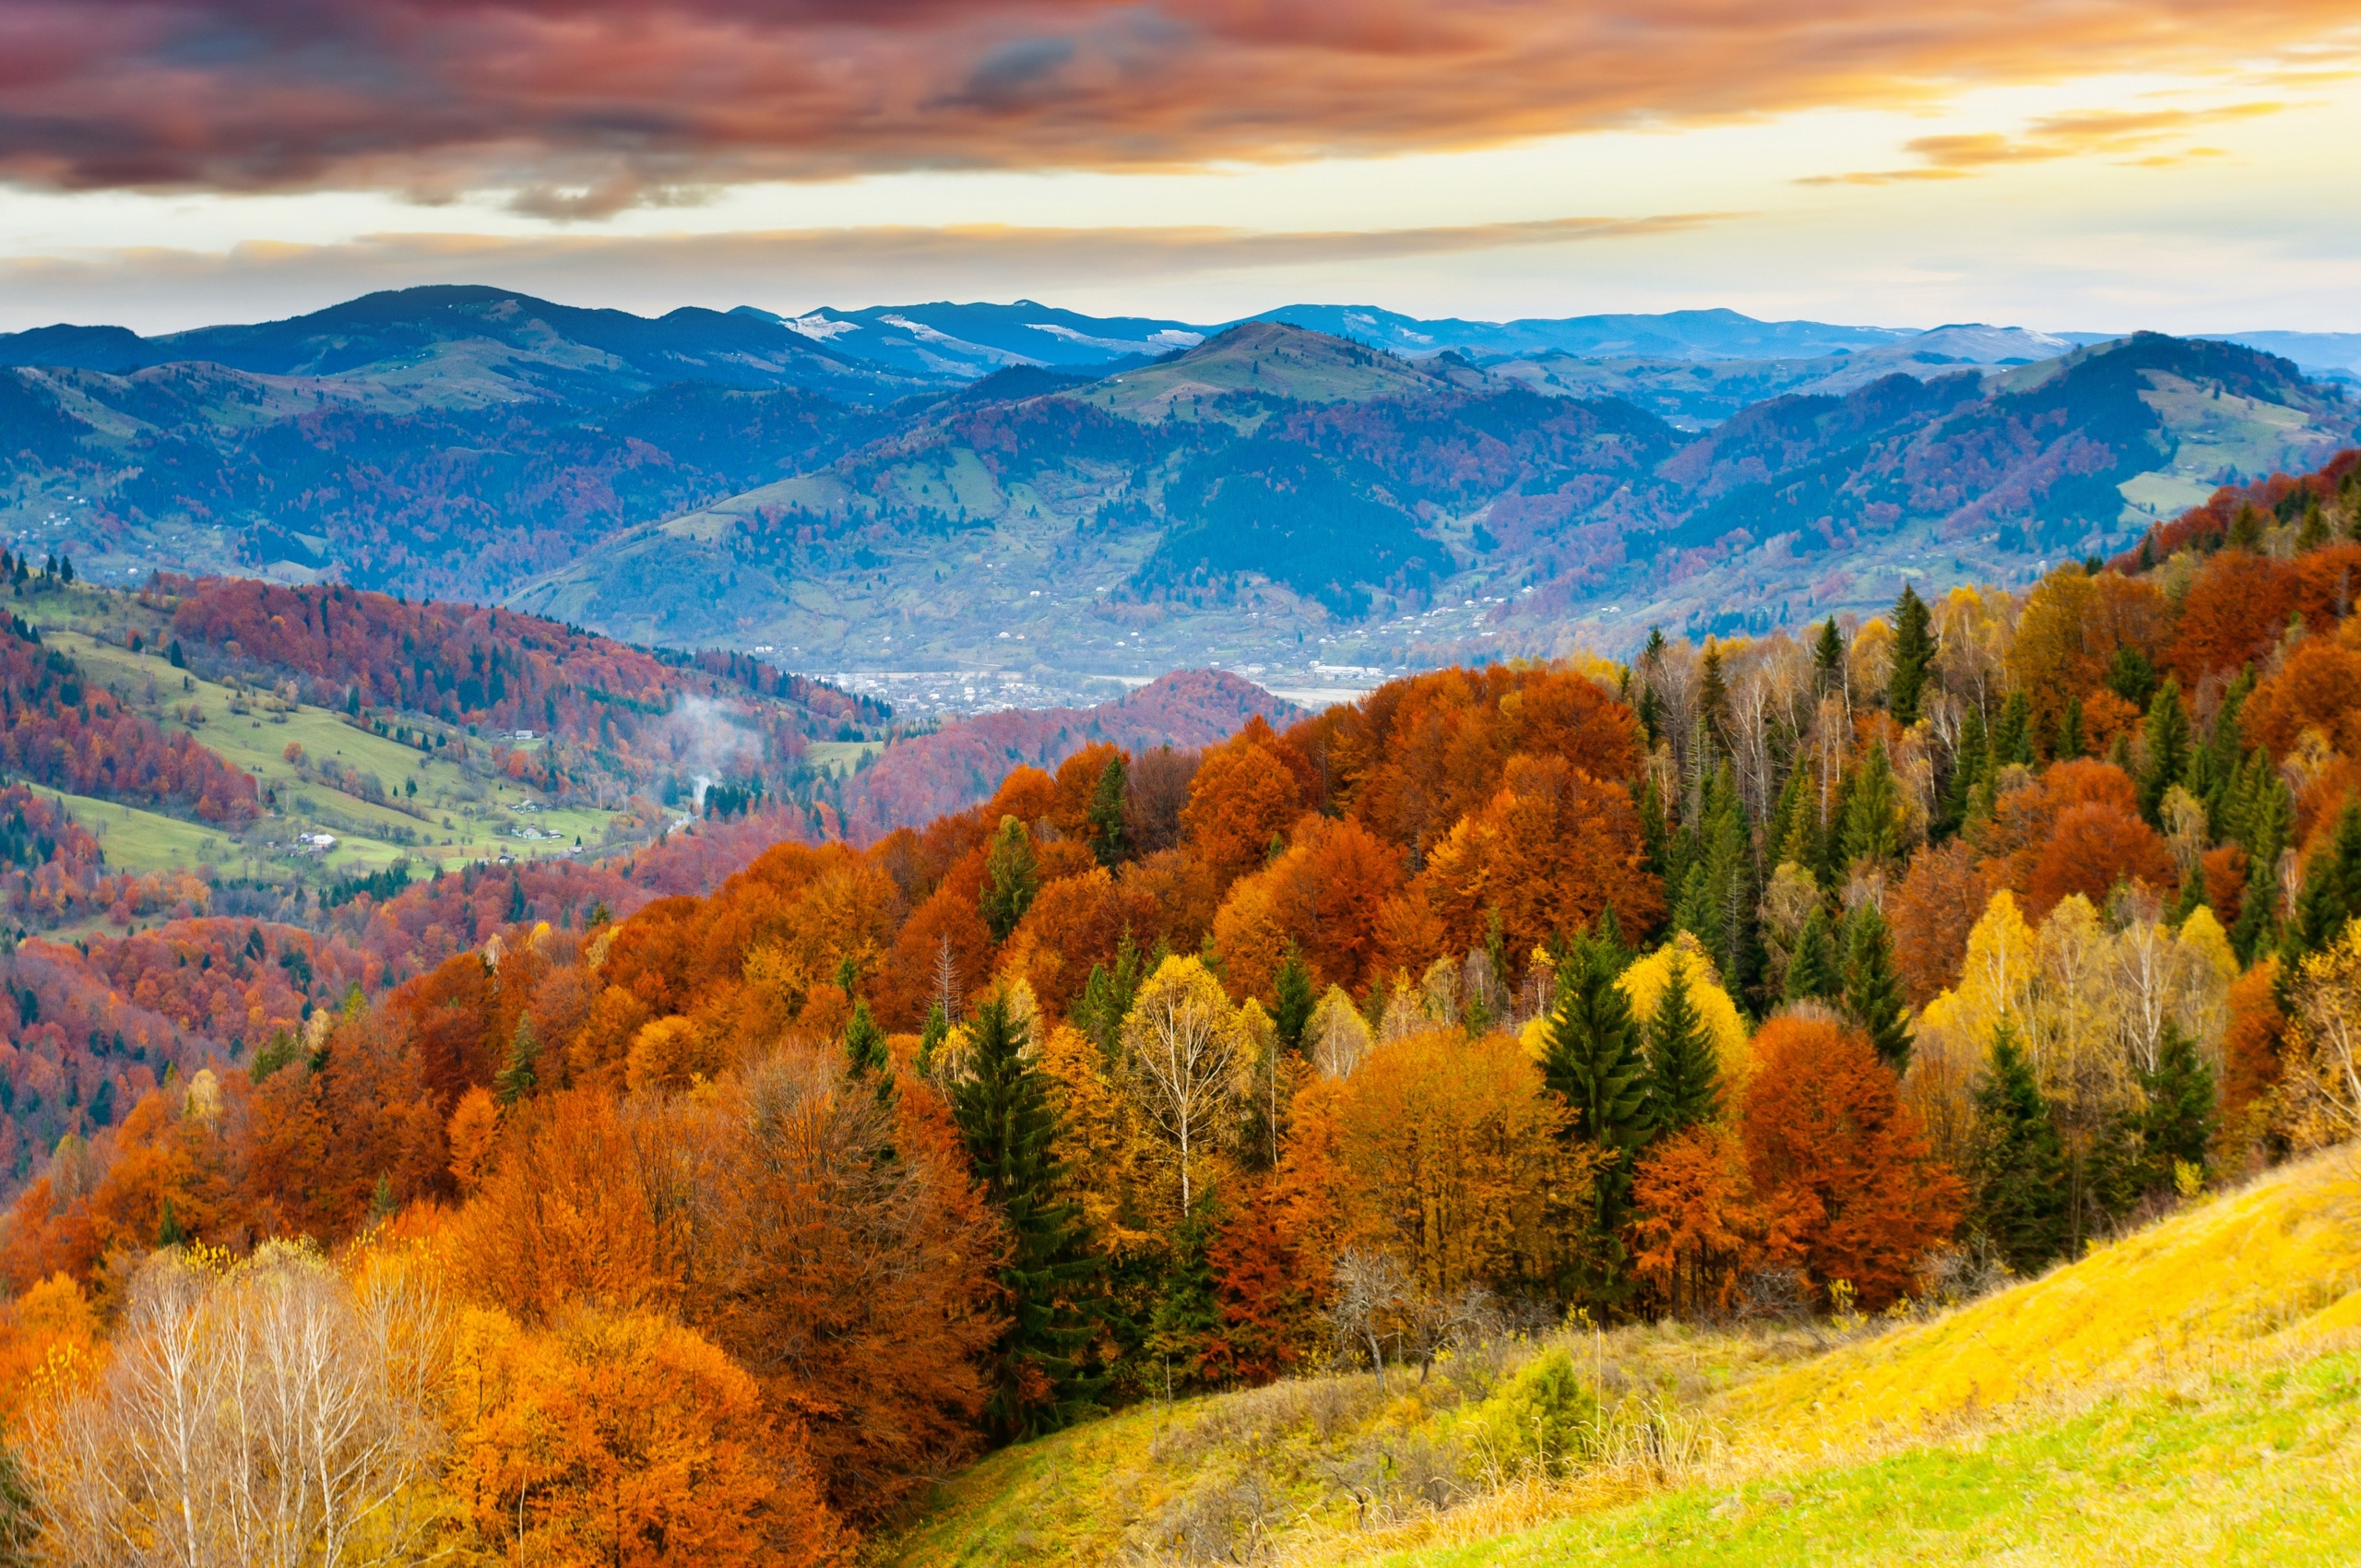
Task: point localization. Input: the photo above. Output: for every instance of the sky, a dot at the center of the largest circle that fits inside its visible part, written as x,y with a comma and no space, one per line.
2091,165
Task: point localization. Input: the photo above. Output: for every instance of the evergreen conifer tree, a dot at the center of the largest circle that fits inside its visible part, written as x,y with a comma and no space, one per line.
2332,894
1873,994
1873,815
1684,1079
1292,999
2131,676
1592,1059
2018,1164
2168,748
1008,1119
1012,877
1813,974
1969,762
1828,656
1914,649
2177,1125
518,1073
2069,732
2012,733
932,1034
1105,816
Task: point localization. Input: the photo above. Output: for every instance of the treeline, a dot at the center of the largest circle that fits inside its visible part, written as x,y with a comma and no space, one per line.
1835,973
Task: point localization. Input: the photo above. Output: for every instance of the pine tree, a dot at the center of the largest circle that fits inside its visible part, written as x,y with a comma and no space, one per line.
2018,1166
518,1073
1105,817
2177,1125
1684,1079
1812,972
1873,989
1591,1058
1914,649
1008,1119
2168,748
1012,878
1293,999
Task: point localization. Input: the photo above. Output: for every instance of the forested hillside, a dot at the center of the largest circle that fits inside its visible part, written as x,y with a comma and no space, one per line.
1306,508
1788,978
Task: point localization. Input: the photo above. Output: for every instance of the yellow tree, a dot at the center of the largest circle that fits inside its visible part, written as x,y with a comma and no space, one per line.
1184,1049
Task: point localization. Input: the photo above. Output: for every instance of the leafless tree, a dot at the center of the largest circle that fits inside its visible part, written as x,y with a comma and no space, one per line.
268,1414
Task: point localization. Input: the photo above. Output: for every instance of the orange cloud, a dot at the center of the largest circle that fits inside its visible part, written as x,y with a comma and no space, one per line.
2081,134
587,106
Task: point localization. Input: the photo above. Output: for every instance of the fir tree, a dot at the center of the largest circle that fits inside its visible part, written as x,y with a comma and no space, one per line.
2269,821
1812,972
1007,1117
1713,698
2168,748
1104,819
168,1233
1292,999
515,898
2017,1166
1914,649
1684,1079
1873,988
518,1073
1012,878
1591,1057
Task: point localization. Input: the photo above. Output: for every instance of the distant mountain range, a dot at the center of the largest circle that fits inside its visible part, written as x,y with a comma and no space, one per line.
1309,496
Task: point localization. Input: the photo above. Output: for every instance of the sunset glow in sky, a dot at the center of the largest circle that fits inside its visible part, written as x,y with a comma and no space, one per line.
2180,165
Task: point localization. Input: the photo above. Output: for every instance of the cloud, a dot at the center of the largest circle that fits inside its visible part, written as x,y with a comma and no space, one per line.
661,271
590,105
2082,134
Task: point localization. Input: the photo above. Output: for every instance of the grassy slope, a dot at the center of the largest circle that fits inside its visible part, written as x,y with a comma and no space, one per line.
2188,1392
368,836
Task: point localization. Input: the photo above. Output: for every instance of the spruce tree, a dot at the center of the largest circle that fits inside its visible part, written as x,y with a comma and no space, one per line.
1012,878
1684,1079
2177,1125
2017,1165
1591,1057
1914,649
2332,894
1292,999
2012,733
1713,698
1812,973
2168,748
932,1034
1873,989
518,1073
1828,656
1008,1119
1105,816
2270,822
2131,676
2069,732
1873,815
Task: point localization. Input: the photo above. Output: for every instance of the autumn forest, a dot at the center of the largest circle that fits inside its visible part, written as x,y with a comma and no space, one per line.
717,1199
